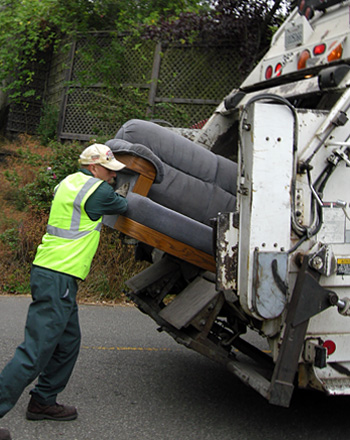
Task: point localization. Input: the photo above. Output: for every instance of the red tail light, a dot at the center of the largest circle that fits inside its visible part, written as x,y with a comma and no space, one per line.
278,69
319,49
268,72
330,346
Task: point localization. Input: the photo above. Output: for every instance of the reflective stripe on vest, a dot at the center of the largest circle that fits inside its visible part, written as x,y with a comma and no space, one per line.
73,232
72,237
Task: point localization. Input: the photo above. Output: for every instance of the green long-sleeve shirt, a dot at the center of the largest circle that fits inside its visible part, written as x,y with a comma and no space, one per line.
104,201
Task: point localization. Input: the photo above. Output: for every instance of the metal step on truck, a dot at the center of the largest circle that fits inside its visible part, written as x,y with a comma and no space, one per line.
274,259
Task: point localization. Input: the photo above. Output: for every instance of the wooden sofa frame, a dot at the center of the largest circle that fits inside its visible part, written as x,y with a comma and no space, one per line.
147,174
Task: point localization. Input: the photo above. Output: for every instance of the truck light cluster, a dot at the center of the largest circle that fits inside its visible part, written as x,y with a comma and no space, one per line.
318,50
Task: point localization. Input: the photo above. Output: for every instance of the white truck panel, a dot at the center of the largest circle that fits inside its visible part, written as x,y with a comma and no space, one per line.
265,172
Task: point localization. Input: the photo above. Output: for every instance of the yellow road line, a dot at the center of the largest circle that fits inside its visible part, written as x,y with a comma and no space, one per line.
125,348
86,347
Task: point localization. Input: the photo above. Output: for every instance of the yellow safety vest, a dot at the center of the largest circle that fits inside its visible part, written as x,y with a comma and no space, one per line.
71,240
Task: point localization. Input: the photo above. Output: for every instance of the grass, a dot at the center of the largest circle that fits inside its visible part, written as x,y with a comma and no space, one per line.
23,222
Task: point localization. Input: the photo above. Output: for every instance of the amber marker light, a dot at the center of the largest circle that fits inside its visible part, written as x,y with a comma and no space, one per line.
336,53
304,56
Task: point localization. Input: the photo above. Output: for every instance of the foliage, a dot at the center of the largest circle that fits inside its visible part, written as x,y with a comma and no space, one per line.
30,28
248,24
47,129
20,228
34,191
116,105
60,161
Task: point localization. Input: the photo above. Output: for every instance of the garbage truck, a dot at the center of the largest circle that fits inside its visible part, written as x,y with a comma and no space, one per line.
269,254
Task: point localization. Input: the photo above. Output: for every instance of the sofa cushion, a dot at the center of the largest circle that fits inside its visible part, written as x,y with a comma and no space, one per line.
169,222
197,183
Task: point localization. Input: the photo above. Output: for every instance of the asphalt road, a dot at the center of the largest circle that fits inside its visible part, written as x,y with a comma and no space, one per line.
131,382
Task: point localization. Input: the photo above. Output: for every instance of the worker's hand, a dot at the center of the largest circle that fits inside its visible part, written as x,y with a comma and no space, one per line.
123,190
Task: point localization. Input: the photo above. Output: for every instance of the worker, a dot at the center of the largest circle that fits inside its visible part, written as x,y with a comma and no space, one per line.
52,333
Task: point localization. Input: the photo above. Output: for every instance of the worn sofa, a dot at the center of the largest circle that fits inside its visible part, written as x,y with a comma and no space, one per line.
175,188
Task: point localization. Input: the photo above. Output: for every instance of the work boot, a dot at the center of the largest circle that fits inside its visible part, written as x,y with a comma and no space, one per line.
5,434
63,413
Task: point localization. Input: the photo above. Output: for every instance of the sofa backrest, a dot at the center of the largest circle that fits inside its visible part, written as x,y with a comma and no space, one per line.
196,183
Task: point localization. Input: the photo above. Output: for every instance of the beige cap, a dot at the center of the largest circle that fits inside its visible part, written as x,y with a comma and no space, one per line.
102,155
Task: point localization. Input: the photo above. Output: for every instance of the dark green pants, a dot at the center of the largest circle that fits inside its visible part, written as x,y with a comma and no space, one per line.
52,341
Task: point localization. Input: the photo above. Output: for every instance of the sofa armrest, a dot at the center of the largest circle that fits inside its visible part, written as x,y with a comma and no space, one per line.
143,167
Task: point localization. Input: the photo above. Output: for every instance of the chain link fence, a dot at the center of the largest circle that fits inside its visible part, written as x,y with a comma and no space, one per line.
179,84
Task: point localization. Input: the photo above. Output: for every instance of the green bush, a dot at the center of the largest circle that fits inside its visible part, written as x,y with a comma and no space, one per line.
60,160
47,128
10,238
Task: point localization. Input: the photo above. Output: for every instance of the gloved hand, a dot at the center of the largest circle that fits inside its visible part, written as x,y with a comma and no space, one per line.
123,190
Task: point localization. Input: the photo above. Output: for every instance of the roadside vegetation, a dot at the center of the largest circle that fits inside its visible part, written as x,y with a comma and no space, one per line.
29,172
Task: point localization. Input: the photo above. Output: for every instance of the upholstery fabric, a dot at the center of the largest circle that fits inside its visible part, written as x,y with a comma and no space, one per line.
120,146
168,222
197,183
192,185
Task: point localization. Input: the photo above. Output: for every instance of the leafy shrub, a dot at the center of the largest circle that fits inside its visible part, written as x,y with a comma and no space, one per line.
17,250
59,161
10,238
47,128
